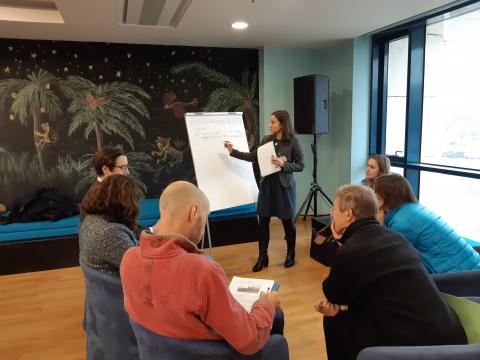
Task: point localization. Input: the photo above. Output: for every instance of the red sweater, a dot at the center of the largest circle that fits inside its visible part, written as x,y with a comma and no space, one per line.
174,291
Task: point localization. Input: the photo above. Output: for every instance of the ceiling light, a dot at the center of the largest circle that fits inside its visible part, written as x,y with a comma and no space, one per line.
239,25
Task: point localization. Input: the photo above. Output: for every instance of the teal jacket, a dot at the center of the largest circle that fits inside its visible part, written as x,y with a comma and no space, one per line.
441,248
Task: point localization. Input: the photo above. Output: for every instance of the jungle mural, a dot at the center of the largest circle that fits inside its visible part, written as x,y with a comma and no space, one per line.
61,101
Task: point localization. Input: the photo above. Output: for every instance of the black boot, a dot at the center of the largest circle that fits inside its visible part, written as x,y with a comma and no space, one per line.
263,244
291,237
290,259
261,262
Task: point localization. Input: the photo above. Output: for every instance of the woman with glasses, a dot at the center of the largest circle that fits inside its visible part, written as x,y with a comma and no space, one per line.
441,248
107,161
112,208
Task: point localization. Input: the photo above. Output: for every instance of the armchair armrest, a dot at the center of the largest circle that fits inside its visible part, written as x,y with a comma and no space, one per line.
463,283
444,352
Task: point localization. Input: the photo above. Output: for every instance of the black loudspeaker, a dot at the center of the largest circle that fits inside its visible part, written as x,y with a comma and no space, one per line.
311,104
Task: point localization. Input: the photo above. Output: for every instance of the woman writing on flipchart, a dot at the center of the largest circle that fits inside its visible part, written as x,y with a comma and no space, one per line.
276,196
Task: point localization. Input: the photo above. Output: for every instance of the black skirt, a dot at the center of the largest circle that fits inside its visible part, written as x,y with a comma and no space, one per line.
275,200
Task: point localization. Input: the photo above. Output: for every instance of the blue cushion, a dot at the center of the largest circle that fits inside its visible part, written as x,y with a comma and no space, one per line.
236,211
39,229
149,214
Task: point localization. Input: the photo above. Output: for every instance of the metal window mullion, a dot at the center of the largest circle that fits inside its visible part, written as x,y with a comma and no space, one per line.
413,121
375,112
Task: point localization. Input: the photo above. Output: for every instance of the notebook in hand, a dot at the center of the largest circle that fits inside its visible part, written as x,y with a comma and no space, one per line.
247,290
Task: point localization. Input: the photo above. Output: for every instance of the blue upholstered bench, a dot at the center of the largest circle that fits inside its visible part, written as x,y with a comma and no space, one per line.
67,226
45,245
149,214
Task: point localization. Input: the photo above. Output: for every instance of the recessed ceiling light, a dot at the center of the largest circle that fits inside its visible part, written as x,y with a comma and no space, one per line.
239,25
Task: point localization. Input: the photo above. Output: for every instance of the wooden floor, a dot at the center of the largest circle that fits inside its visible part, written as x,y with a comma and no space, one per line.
41,312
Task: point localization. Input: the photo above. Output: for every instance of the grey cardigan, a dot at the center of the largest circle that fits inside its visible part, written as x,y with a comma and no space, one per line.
291,150
103,243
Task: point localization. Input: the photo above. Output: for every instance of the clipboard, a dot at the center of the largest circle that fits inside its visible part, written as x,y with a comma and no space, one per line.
264,157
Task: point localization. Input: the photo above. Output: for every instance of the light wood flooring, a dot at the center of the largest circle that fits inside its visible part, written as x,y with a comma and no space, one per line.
41,312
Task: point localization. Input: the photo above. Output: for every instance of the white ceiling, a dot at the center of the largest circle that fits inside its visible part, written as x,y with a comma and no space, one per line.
289,23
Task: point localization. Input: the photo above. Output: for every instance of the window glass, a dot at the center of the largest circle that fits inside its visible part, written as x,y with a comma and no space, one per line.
455,199
451,103
396,170
396,96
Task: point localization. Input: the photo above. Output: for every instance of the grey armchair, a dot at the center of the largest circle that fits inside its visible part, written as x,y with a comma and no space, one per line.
465,284
109,335
156,347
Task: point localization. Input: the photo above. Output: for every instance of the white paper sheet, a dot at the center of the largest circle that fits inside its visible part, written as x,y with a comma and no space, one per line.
264,156
226,181
247,290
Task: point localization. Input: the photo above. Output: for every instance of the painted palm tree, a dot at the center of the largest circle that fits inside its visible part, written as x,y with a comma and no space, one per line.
31,98
111,108
230,96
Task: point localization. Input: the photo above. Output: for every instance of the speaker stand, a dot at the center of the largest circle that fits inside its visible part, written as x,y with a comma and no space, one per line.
314,188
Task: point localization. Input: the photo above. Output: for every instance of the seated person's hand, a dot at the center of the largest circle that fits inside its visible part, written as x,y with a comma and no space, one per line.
336,233
324,307
272,297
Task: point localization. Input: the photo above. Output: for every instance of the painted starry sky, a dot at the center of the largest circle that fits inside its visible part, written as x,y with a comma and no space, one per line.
145,65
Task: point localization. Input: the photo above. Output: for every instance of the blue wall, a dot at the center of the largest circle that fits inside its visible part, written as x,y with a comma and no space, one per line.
343,151
360,107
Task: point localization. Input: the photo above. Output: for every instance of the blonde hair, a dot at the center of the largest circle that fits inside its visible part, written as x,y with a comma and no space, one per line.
383,163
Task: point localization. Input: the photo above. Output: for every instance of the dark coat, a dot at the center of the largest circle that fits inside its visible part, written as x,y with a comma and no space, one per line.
391,298
291,150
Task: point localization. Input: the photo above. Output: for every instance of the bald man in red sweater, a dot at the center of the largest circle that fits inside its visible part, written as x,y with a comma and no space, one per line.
173,290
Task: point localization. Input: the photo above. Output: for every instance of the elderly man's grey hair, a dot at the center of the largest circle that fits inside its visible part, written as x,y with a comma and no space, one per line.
361,199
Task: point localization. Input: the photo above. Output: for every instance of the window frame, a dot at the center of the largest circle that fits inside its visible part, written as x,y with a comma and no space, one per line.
411,159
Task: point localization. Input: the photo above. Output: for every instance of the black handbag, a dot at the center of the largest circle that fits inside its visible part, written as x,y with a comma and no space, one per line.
324,252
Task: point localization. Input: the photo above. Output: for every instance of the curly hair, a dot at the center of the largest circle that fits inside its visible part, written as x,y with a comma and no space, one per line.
106,156
117,197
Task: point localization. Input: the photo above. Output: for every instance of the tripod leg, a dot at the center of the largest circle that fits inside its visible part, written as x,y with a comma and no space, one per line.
303,206
325,196
309,206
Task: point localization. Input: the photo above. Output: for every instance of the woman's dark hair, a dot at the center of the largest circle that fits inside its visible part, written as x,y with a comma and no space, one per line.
106,156
383,163
284,118
395,190
116,197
